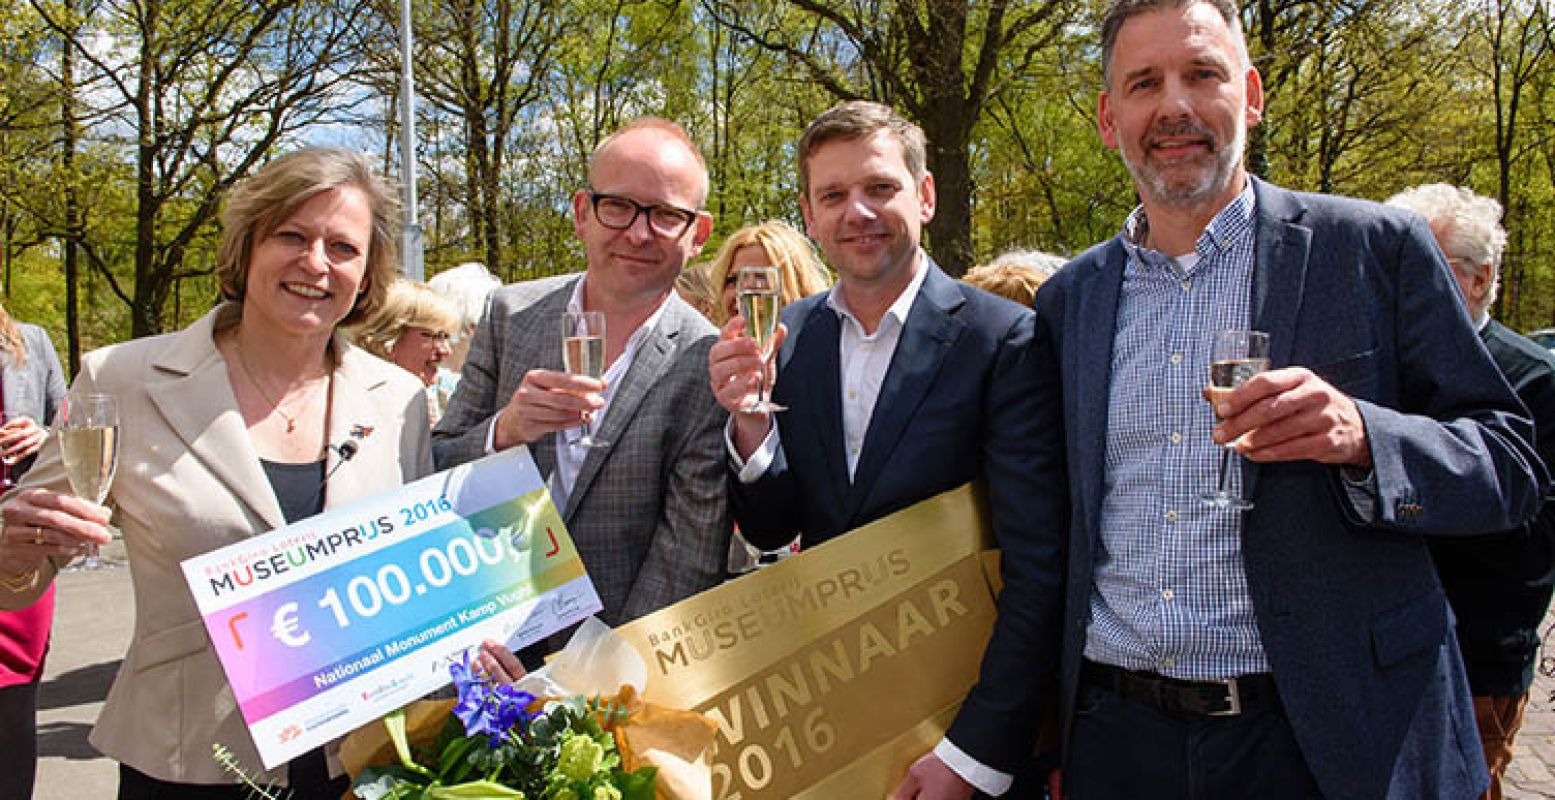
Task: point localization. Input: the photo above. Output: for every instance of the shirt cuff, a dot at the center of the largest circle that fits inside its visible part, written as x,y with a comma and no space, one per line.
760,460
988,780
491,434
1360,486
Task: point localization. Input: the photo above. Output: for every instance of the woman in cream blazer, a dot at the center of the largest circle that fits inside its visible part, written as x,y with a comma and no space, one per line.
213,419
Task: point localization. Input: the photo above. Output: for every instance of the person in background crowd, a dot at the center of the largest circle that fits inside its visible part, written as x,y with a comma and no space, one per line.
1014,275
229,429
1301,647
771,244
31,386
648,509
695,286
412,329
900,382
1499,584
469,287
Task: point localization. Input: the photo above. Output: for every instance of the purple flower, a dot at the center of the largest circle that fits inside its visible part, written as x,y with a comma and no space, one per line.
487,707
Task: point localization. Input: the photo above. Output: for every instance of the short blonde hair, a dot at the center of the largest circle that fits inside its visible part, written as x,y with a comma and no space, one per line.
695,284
859,119
407,304
262,202
786,248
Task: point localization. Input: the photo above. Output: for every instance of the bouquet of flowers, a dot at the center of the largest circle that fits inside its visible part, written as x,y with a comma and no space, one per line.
501,742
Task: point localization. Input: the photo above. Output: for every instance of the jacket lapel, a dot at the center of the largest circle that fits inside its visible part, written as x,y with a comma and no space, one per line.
653,359
195,399
537,344
1092,321
1279,278
357,424
927,336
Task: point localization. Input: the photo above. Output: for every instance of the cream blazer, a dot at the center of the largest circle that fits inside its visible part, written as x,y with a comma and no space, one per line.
189,482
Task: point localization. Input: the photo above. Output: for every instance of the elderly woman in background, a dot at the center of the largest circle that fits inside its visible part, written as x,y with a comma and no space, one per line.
412,329
469,287
231,428
1015,275
773,243
31,385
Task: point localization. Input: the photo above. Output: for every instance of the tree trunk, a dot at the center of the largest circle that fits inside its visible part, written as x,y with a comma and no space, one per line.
70,137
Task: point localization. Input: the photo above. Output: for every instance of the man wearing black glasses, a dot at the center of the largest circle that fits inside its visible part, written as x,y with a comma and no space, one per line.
646,504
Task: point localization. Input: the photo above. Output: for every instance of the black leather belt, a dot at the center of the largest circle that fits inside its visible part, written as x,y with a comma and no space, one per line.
1241,695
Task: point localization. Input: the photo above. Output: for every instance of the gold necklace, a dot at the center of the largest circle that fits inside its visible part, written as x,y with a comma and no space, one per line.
291,421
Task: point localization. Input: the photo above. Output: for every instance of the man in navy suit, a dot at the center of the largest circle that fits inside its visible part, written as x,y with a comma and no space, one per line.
900,383
1303,647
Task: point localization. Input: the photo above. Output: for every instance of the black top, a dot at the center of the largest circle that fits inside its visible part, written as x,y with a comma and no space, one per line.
298,487
1499,584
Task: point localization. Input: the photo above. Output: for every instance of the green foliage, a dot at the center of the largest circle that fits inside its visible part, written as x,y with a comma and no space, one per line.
1365,97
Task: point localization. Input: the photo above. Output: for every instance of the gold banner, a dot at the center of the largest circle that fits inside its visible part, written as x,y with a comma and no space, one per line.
829,672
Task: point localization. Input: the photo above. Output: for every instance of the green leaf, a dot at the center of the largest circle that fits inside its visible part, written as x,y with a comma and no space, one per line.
474,790
453,766
394,723
638,785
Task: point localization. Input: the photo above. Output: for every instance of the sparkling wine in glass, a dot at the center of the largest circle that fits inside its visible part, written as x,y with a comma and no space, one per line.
1234,357
89,448
583,353
759,290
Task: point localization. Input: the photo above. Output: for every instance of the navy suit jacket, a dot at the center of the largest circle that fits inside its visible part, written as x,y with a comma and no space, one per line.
960,402
1352,617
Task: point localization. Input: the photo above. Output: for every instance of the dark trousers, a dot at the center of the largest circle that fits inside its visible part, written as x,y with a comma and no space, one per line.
1123,748
308,776
18,740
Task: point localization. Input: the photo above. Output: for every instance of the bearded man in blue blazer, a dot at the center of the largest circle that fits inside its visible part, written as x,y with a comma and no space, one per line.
1302,647
900,383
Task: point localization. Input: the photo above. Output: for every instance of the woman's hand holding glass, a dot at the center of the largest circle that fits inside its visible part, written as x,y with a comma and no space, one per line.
20,437
40,524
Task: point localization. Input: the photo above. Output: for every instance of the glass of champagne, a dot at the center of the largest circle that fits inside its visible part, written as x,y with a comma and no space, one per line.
89,448
759,290
1234,357
583,353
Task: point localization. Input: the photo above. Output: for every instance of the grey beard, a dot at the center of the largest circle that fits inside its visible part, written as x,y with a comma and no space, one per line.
1208,187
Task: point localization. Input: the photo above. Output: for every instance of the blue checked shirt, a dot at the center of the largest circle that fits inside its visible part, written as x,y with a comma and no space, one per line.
1170,592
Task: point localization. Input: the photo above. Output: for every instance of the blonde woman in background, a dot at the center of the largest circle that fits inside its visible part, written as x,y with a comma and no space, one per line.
412,329
695,286
777,244
772,243
33,385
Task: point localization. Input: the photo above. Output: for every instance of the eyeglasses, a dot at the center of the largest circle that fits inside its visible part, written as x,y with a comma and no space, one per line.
619,213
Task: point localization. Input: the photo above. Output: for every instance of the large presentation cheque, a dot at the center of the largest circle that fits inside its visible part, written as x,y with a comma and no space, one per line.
830,672
331,622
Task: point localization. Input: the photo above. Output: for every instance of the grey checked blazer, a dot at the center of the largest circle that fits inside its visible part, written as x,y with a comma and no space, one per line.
649,512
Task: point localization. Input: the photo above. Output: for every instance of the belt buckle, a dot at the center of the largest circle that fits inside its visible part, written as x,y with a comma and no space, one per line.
1233,701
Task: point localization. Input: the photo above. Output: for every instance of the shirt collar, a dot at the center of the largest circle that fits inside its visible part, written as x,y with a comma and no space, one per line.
899,308
575,303
1225,230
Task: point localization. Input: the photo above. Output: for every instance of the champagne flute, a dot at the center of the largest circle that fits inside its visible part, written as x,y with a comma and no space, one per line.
89,448
1234,357
759,290
583,353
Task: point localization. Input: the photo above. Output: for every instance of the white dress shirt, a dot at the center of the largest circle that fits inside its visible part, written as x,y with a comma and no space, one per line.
569,455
